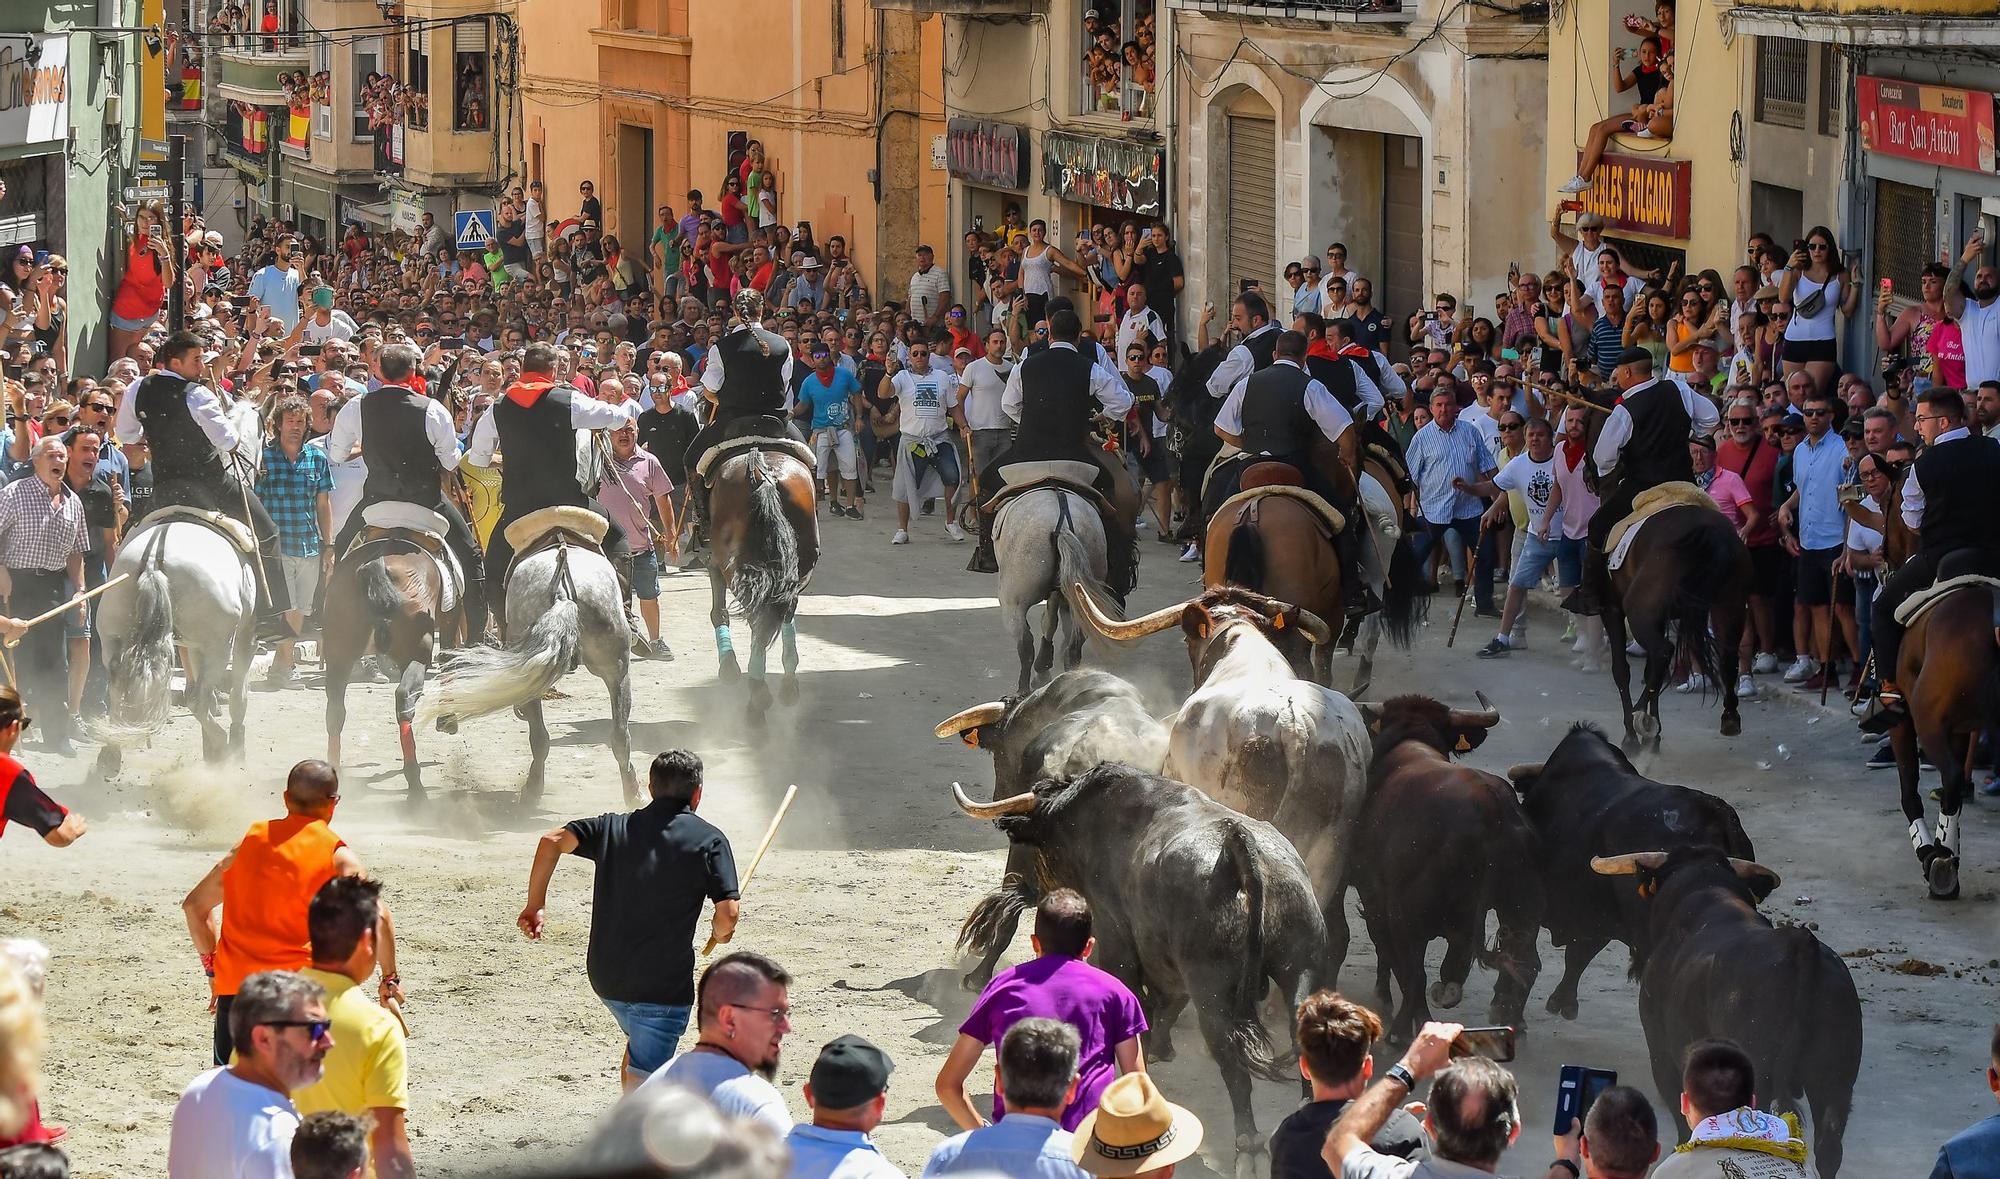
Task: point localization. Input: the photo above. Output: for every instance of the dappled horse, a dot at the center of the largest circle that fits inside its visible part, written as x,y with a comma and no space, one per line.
190,584
564,606
396,591
1682,589
1048,535
765,540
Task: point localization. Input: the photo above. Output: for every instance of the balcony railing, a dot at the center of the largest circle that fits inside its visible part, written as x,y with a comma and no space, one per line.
255,70
1338,11
961,7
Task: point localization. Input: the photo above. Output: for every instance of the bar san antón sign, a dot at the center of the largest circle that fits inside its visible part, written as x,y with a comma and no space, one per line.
994,155
1641,195
1930,124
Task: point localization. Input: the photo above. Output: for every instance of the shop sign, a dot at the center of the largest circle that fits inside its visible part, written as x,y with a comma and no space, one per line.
1641,195
406,211
1930,124
1108,173
34,89
989,154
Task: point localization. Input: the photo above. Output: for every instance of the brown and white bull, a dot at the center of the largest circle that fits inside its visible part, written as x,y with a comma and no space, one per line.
1257,738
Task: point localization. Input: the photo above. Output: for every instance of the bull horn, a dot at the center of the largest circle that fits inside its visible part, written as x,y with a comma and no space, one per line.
1526,769
978,716
1626,865
1164,618
1461,718
1748,868
1314,627
1020,804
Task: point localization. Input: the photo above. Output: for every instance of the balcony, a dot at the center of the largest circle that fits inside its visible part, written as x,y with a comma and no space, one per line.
254,73
1358,12
971,8
1913,24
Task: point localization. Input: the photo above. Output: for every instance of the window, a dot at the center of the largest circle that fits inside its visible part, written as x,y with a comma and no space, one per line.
1905,237
367,59
1831,96
469,69
322,83
838,39
1117,51
420,79
1781,82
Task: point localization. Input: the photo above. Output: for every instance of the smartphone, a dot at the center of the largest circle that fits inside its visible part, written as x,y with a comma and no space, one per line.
451,343
1798,245
240,302
1888,284
1577,1090
1491,1043
1848,493
310,349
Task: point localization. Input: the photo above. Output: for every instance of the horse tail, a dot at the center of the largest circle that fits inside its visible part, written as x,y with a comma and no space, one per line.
481,680
1404,603
1246,1038
764,578
1243,563
141,669
1073,563
1707,555
378,590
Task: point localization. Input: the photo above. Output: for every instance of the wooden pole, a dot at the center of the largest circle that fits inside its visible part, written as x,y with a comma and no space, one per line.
770,833
56,612
1471,572
1560,395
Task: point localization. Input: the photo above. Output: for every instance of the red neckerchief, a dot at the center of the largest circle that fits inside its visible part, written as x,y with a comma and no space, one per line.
529,389
1354,352
1321,349
1572,453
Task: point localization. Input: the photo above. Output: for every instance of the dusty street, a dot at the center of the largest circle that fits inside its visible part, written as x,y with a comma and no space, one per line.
512,1057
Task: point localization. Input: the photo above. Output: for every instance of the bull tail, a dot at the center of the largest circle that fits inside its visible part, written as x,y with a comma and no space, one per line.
997,910
1246,1039
1243,564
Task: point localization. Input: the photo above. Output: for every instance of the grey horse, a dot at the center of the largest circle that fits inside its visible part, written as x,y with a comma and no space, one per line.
1047,540
563,606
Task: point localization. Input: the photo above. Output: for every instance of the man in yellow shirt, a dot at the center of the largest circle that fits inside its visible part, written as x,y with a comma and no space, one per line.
364,1072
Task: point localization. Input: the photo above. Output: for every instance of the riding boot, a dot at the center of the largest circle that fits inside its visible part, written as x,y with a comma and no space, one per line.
473,605
273,600
983,560
1357,597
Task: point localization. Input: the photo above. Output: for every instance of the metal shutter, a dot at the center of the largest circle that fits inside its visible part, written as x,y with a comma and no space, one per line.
1253,203
1905,235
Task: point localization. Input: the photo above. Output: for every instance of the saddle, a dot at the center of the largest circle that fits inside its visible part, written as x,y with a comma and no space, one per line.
1060,474
542,529
1917,604
730,447
392,526
1330,519
1645,505
231,529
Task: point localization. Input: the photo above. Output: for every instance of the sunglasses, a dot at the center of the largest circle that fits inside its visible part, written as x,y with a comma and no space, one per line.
1817,413
1742,421
1511,425
316,1028
777,1014
58,421
1781,315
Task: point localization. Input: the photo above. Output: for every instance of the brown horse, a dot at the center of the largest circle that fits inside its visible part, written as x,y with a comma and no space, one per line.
1689,571
764,537
1946,668
384,596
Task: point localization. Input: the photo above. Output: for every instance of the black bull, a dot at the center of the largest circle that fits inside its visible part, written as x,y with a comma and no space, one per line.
1587,800
1189,901
1719,968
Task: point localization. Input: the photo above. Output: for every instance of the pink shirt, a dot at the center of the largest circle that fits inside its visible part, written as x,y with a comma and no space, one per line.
1728,491
1947,349
1579,504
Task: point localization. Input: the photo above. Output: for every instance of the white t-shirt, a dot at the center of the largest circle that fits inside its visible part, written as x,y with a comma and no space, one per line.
926,400
229,1128
339,327
348,477
1579,502
1980,327
985,384
1535,481
733,1089
1860,537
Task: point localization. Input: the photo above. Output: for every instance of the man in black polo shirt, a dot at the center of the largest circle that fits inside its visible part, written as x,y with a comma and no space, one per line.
654,868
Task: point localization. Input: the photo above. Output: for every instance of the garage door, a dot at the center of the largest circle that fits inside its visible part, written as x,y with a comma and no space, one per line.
1402,288
1253,203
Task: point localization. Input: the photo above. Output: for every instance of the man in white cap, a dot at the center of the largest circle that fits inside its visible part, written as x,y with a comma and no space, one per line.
1135,1131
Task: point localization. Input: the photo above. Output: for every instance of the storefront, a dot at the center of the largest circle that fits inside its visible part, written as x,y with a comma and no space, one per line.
34,120
1103,181
990,162
1645,203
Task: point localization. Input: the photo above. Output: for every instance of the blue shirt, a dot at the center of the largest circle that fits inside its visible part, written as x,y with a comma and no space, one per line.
1021,1146
822,1153
1973,1154
831,404
278,290
1816,473
1436,457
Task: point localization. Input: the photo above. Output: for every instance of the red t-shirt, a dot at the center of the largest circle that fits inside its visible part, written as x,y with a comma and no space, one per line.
21,801
1757,465
143,289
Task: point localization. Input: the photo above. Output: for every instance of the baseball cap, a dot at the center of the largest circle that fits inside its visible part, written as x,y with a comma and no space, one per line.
962,352
213,237
849,1072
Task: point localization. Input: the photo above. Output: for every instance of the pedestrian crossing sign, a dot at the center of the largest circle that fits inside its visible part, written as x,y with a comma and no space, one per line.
475,228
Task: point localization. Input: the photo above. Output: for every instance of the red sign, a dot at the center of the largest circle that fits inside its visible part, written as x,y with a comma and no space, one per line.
1638,194
1929,124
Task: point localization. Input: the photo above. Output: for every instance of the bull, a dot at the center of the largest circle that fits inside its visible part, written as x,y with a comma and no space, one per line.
1719,968
1191,901
1587,800
1259,739
1440,845
1061,729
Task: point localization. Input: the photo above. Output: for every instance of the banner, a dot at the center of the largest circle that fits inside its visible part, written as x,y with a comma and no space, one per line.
1930,124
993,155
1638,194
34,89
1108,173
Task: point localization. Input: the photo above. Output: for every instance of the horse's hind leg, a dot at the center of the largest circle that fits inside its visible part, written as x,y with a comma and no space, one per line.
788,635
761,634
241,652
538,748
410,689
1045,658
1949,756
619,682
201,702
1621,670
718,617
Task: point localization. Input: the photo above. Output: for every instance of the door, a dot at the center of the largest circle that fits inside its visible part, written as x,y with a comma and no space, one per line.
634,216
1253,204
1400,289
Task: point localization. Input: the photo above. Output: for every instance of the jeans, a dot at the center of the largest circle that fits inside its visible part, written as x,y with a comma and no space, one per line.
1537,555
1466,532
652,1031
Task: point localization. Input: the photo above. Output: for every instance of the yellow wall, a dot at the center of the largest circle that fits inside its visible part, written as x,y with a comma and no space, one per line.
1707,88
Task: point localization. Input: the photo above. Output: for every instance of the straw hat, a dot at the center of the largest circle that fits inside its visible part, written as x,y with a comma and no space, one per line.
1134,1130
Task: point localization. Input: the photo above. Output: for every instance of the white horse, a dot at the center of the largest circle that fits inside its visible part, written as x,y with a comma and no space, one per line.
1385,529
1048,539
187,585
563,605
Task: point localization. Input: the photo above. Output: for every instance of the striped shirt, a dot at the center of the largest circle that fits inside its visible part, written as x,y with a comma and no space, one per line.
290,490
39,530
1436,457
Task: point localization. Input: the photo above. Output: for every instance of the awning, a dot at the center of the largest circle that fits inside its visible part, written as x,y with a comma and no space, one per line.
376,214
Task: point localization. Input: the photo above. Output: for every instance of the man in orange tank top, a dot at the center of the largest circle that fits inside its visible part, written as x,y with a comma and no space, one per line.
264,888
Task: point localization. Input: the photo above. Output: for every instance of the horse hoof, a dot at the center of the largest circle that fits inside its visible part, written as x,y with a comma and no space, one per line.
1942,876
1647,726
1446,995
788,691
1732,725
975,981
448,725
728,669
1563,1006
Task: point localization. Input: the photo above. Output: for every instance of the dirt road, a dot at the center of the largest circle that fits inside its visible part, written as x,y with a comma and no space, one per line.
512,1057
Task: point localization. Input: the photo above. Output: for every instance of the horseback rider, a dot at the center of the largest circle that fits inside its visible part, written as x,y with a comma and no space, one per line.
183,422
410,443
1250,315
747,380
1947,499
1279,414
1643,443
535,426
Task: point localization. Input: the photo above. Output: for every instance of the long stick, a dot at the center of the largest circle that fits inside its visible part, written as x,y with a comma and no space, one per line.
1826,648
396,1009
1559,395
56,612
1471,572
770,833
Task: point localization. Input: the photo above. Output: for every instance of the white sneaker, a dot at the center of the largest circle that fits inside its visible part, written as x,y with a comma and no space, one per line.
1582,643
1576,185
1697,682
1633,648
1191,554
1746,688
1766,663
902,536
952,530
1517,638
1802,669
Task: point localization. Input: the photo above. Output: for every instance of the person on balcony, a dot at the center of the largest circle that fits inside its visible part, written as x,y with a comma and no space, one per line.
1653,118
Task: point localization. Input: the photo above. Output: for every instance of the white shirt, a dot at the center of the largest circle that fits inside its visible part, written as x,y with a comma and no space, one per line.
1328,414
1143,320
1326,295
1617,429
438,430
1164,378
1235,366
711,370
1108,387
229,1128
1980,328
535,226
1594,287
1913,492
733,1089
585,413
349,476
985,392
1860,537
1584,259
927,399
340,326
927,288
1535,481
203,405
820,1152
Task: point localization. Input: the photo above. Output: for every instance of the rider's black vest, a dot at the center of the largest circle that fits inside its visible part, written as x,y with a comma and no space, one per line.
1657,452
181,452
539,444
752,382
401,464
1056,407
1338,376
1275,420
1262,347
1958,479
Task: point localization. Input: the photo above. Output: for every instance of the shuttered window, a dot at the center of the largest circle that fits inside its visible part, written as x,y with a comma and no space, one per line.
1253,203
1781,82
1905,238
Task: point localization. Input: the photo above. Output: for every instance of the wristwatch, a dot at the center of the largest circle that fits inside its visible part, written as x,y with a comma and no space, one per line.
1573,1168
1402,1076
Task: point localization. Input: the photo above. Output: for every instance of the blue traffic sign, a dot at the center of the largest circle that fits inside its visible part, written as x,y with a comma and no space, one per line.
474,228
